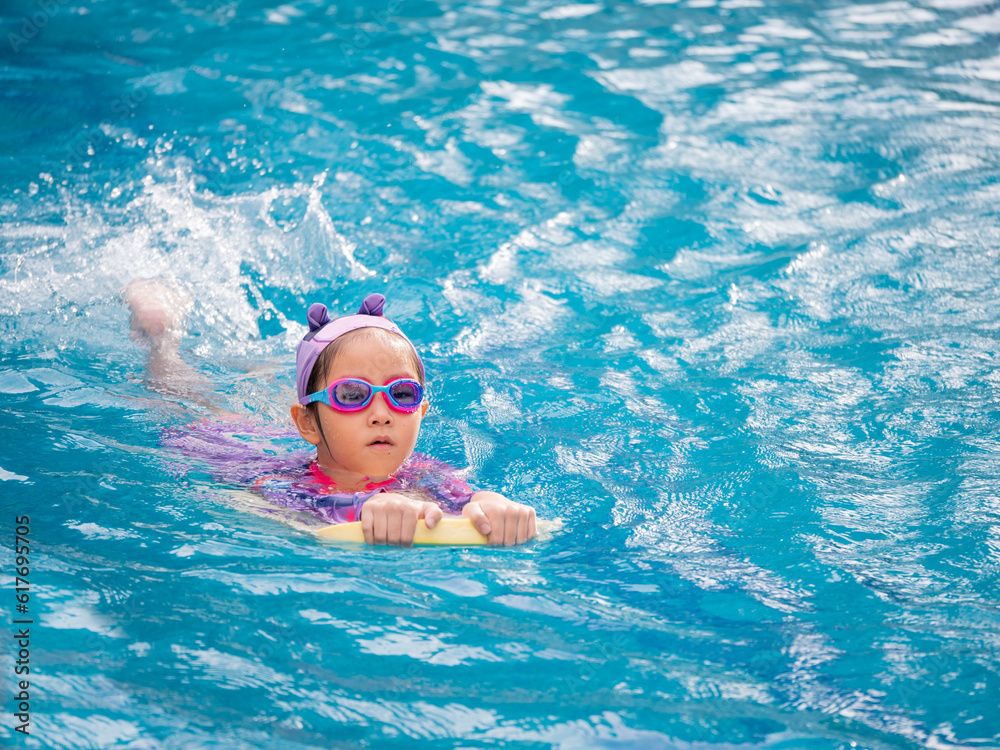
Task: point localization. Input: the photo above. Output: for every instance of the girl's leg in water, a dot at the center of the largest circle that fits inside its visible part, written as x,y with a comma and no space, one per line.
157,320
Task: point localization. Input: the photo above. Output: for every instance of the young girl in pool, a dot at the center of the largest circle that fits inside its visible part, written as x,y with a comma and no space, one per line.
360,388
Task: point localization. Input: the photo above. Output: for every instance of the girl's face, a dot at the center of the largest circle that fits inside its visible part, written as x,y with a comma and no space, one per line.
373,442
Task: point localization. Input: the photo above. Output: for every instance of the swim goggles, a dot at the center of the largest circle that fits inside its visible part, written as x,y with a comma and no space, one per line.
354,394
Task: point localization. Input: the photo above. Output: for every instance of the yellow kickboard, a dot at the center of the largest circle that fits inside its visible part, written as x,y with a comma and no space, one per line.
457,532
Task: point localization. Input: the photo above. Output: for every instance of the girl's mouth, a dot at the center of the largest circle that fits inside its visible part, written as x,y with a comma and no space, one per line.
382,440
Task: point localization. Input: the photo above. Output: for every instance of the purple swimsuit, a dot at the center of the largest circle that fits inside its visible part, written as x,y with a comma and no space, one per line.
271,461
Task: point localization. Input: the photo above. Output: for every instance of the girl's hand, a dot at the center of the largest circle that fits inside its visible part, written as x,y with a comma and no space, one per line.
500,520
388,518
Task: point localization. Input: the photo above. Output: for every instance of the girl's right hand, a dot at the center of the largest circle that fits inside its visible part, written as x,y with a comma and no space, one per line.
389,518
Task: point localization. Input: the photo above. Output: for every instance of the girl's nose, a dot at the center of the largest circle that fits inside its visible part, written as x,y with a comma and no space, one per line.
379,411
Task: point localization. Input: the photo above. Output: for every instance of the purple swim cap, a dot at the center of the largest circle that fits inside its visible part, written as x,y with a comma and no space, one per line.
322,331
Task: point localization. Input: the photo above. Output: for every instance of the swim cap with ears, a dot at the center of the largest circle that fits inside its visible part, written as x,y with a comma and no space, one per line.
322,331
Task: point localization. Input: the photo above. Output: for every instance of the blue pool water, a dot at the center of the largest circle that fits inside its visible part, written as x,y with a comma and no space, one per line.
714,282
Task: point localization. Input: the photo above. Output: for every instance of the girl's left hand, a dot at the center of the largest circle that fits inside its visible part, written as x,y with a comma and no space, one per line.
502,521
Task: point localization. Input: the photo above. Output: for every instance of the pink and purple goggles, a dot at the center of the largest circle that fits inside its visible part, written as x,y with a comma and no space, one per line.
323,330
354,394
